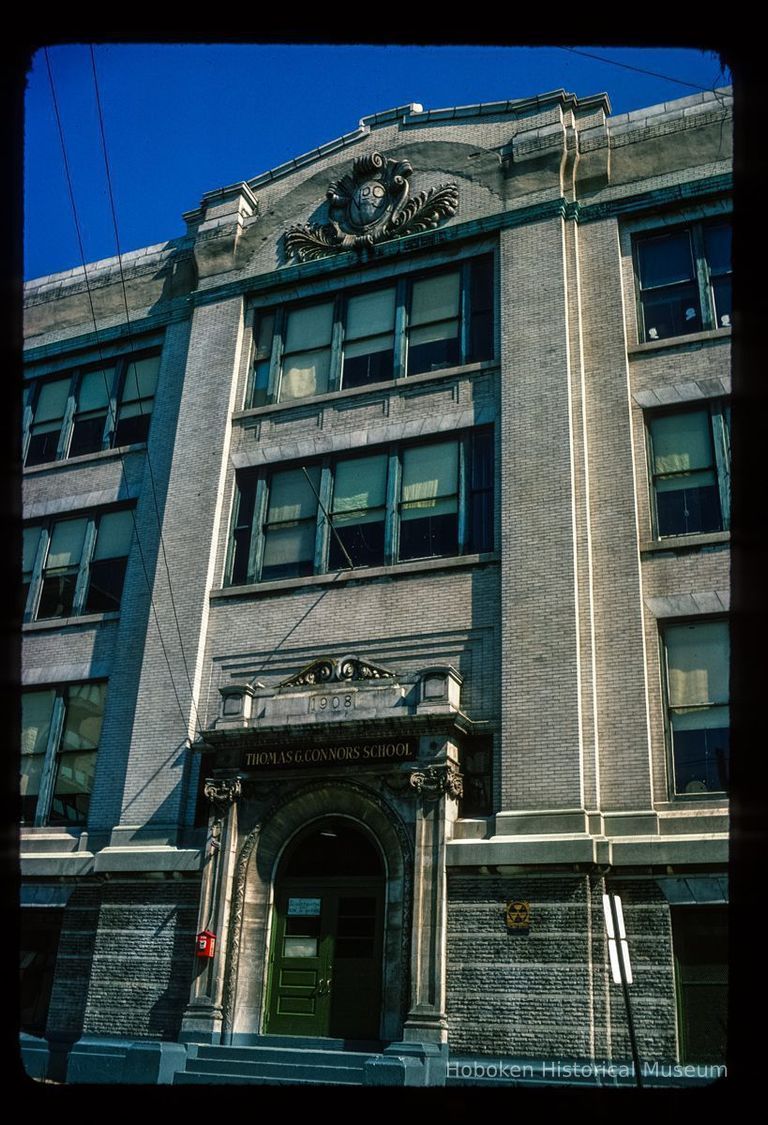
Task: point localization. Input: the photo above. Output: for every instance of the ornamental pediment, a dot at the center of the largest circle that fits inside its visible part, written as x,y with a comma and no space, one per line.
329,670
372,204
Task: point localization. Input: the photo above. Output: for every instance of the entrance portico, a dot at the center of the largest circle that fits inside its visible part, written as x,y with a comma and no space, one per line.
299,918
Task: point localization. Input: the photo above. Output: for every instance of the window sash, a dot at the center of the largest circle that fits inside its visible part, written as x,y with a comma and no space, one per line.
80,412
691,289
61,732
438,497
697,697
441,318
78,565
688,467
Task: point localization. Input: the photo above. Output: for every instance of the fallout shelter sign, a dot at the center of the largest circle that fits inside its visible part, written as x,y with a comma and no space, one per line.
517,915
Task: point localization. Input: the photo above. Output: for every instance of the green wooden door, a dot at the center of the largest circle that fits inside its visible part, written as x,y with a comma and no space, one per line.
299,965
325,967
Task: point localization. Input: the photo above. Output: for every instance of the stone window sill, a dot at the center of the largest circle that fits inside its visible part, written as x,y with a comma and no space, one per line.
342,577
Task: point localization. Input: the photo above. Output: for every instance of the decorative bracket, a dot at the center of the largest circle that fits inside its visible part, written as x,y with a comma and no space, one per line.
432,782
222,791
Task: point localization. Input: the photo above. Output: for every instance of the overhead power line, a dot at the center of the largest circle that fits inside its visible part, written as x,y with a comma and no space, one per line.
81,247
153,488
637,69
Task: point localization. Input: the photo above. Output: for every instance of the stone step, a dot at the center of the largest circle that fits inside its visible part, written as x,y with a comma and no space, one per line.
184,1078
306,1056
288,1070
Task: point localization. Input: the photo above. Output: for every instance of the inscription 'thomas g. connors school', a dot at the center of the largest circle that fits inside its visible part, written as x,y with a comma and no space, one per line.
319,755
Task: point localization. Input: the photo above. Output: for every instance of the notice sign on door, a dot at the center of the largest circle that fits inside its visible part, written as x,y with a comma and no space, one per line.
304,907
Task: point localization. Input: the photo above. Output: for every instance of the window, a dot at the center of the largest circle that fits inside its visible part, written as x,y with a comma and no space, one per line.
388,331
60,731
476,762
90,409
684,279
77,565
398,503
697,705
689,453
700,944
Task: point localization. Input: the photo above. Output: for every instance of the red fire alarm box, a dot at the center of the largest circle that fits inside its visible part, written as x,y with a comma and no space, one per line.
205,943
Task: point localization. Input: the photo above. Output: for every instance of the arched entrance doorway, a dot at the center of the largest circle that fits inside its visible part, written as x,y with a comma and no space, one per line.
325,966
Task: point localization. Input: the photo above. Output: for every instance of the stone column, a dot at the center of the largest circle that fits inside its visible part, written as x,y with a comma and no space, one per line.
437,788
203,1016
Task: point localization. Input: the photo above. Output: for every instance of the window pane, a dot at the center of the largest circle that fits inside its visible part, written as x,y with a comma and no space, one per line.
136,409
133,429
368,361
289,551
36,711
305,374
359,486
665,259
717,242
309,327
85,711
671,312
681,442
87,435
430,475
105,585
261,359
57,596
688,505
93,393
480,515
31,537
435,298
363,542
52,401
721,291
243,529
66,544
141,379
72,788
31,773
263,336
481,310
371,314
697,658
443,330
700,742
114,535
291,496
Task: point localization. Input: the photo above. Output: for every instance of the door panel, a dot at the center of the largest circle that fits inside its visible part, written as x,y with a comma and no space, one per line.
298,1000
356,987
325,968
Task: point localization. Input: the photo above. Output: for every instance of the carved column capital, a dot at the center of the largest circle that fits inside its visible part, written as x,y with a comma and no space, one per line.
432,782
222,791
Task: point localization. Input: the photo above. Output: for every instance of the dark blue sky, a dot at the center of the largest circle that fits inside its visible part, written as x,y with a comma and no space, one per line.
182,120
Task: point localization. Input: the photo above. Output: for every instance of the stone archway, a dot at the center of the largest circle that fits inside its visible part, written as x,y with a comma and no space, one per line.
253,891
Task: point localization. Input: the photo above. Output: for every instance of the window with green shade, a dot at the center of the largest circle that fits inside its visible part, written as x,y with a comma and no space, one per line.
396,503
697,696
689,457
61,730
425,322
76,565
90,408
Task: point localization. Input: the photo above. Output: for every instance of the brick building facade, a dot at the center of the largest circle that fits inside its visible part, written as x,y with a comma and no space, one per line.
377,570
